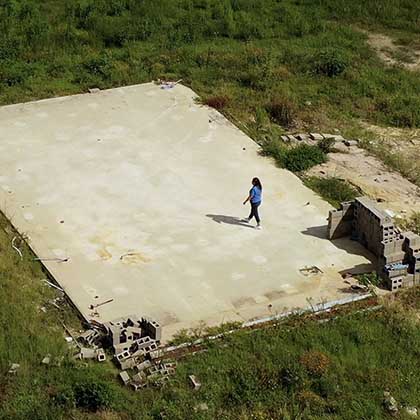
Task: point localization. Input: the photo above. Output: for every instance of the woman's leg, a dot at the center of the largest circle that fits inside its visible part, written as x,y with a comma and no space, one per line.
252,214
257,216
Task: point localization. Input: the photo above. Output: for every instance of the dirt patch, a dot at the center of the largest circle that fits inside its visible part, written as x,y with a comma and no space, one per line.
390,189
393,54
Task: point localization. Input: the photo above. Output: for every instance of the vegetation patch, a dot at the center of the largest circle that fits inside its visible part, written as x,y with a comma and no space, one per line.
333,190
295,159
410,223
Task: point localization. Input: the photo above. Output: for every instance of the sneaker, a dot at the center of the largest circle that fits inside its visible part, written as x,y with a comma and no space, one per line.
258,227
246,220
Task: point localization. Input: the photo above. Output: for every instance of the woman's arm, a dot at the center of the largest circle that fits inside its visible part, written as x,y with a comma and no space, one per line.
251,194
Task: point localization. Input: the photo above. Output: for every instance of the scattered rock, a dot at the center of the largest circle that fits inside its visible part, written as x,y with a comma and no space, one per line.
46,360
390,403
14,367
201,407
411,411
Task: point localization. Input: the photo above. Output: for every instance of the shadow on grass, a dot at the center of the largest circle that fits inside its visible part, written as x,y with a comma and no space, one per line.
229,220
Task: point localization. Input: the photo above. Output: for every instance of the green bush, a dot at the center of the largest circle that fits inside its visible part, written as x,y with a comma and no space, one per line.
93,395
333,190
295,159
330,62
303,157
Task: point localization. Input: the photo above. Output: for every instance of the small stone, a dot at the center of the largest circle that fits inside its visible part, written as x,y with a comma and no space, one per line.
46,360
201,407
14,367
411,411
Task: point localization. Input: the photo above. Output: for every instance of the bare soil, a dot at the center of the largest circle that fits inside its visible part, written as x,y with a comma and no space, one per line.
393,54
389,188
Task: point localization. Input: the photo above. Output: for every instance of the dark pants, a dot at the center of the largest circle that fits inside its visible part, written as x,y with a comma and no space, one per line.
254,211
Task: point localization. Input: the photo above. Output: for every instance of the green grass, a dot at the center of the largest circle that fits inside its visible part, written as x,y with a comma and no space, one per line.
250,51
261,62
300,369
411,223
333,190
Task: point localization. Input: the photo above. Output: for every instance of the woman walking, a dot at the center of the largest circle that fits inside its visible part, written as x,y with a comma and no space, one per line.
255,197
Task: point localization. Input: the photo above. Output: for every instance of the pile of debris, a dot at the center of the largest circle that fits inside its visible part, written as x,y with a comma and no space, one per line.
134,342
313,138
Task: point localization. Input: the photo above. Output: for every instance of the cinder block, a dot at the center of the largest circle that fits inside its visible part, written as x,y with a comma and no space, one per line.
302,137
100,355
128,363
125,377
122,356
316,136
196,384
86,353
144,365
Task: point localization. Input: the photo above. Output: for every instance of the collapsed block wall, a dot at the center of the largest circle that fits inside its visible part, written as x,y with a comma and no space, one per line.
398,253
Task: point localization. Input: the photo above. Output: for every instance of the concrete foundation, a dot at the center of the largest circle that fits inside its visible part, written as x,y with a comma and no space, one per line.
133,196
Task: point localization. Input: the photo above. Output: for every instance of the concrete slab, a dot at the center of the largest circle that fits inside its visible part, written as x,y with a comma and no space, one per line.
141,189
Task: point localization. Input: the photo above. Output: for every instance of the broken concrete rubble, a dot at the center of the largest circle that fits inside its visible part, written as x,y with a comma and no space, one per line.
134,342
196,384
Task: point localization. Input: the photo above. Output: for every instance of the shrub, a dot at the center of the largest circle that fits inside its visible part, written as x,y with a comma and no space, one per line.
312,401
368,279
315,362
14,73
333,190
303,157
412,223
218,102
98,66
93,395
330,62
282,111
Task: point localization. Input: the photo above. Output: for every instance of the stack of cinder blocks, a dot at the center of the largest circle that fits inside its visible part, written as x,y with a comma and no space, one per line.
132,339
340,222
398,252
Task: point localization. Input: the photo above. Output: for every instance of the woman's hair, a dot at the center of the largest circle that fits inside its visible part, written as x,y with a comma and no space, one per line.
257,183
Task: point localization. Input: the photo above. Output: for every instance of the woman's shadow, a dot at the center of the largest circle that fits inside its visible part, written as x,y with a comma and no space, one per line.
230,220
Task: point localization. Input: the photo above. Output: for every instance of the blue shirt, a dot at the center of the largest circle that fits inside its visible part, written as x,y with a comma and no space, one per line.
256,194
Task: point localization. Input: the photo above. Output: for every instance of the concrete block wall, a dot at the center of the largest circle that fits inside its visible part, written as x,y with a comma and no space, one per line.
340,222
398,253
